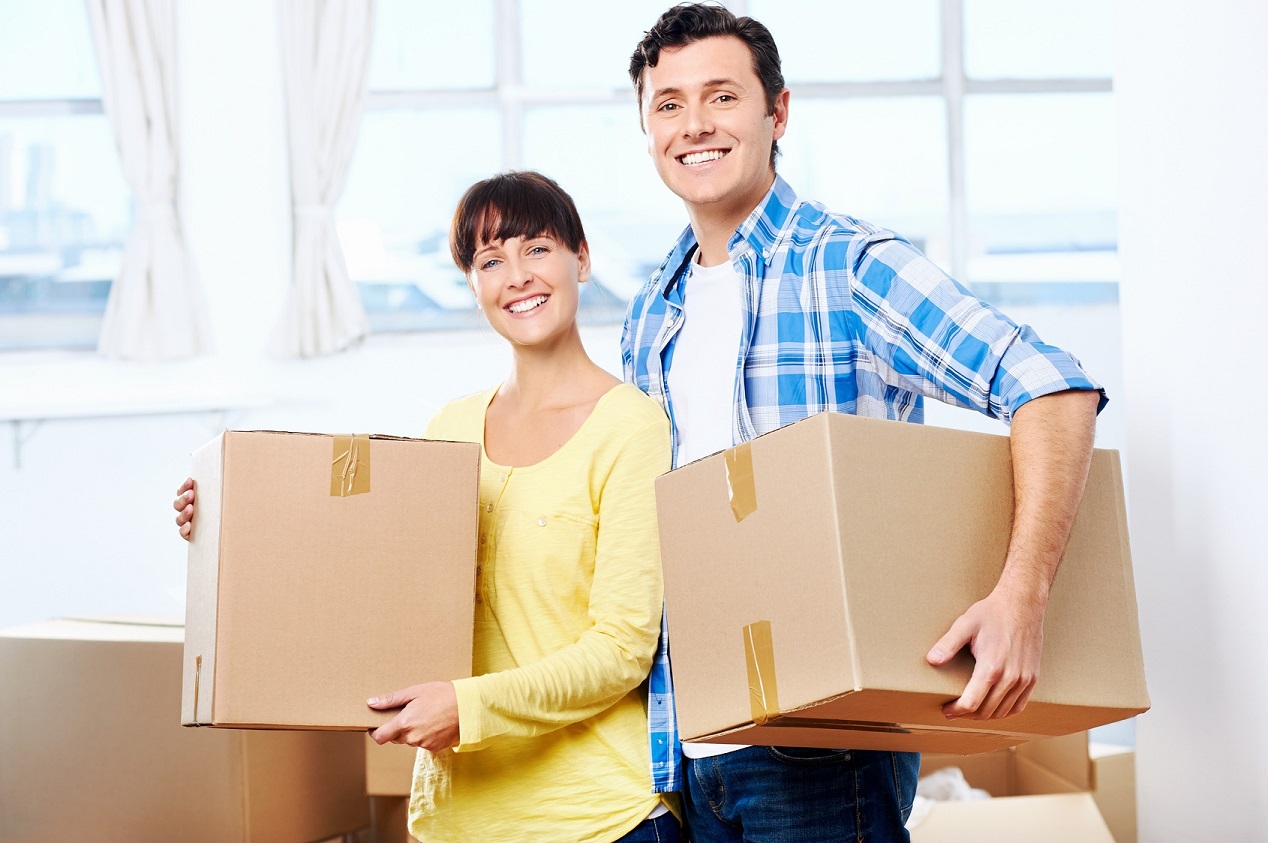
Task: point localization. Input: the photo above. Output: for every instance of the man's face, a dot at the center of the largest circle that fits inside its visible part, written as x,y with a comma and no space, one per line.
708,132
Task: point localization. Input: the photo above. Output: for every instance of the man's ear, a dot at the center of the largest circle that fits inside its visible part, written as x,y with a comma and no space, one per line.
781,114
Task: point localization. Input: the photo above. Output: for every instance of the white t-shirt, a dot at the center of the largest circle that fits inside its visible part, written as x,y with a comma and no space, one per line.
701,381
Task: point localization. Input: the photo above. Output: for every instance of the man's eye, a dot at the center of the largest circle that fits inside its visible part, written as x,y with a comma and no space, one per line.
669,106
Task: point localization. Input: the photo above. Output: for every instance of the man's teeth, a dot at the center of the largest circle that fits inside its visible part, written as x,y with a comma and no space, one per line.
527,304
701,157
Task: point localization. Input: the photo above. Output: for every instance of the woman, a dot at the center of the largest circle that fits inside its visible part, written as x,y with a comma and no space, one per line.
550,733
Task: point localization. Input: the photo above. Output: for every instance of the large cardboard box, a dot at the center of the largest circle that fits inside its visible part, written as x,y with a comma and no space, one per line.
808,572
91,748
1067,765
325,570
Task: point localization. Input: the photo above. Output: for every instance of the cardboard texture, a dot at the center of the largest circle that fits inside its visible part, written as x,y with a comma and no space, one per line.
807,578
91,748
1064,765
391,819
315,585
1061,818
389,769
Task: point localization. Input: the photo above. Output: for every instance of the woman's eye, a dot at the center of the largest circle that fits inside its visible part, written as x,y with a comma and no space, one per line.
489,264
538,250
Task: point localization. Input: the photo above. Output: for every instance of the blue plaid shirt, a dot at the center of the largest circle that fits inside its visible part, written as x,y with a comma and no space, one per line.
843,316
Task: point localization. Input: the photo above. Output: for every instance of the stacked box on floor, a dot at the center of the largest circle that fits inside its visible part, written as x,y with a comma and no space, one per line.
92,748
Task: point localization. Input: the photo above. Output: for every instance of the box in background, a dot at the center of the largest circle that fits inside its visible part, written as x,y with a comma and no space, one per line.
91,748
389,769
808,572
1064,765
324,570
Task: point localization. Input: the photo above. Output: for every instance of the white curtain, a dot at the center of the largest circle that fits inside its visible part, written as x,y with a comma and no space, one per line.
325,64
156,309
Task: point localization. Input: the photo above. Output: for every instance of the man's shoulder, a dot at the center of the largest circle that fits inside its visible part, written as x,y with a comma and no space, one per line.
810,217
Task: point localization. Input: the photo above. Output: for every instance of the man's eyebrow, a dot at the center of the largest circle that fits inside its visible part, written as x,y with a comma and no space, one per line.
710,85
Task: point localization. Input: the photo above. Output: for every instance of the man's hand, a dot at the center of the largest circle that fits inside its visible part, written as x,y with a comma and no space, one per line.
1004,631
428,718
184,506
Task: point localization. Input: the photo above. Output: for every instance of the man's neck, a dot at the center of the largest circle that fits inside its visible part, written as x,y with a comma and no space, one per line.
714,226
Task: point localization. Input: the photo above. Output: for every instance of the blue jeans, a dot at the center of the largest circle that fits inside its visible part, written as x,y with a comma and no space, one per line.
776,794
662,829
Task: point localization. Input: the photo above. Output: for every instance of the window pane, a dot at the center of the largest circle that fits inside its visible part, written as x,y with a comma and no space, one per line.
394,216
882,160
417,46
853,40
64,214
631,218
578,44
1041,202
1004,39
46,51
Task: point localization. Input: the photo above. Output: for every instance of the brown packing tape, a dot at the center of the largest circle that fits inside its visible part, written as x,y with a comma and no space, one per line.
759,652
739,481
350,468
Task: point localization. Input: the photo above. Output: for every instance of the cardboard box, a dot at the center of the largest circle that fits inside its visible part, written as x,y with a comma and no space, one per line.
1066,765
390,819
1061,818
1114,788
91,748
389,769
808,572
324,570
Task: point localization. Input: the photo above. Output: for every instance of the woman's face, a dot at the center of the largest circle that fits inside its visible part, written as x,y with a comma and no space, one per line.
528,287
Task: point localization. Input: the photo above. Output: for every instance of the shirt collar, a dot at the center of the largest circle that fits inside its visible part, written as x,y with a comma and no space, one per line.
761,230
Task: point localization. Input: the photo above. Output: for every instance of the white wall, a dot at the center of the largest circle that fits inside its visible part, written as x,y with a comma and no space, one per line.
1192,93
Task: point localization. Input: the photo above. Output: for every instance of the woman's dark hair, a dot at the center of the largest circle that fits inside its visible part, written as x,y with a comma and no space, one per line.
690,22
520,203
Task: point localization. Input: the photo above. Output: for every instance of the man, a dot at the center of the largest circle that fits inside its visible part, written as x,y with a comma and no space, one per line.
769,309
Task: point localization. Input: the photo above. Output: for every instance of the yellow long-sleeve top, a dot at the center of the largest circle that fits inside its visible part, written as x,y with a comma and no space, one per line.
553,727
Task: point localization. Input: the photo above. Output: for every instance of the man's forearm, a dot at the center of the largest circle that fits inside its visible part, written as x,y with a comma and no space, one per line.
1051,443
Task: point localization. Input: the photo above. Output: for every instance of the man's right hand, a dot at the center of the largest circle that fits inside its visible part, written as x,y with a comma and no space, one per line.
184,506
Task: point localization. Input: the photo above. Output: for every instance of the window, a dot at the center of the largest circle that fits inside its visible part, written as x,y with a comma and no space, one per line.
64,207
981,130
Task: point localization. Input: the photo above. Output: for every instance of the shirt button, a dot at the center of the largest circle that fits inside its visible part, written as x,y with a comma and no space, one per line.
483,539
479,599
489,508
478,570
541,522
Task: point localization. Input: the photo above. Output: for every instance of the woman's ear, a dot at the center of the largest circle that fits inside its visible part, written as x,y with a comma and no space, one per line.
583,263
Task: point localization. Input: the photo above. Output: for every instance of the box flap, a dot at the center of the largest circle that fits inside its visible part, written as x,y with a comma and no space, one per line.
1058,818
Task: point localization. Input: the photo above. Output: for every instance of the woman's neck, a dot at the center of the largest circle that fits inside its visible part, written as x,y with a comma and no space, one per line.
562,375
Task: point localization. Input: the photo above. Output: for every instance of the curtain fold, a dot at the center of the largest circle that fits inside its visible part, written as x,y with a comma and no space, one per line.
156,309
325,65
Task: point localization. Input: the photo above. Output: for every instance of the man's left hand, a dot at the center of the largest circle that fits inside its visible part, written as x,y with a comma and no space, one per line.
1004,631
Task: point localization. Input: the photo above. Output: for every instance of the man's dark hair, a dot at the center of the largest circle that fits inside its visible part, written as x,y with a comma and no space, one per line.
520,203
690,22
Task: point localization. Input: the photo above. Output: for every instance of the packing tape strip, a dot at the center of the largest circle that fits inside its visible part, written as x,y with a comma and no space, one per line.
739,481
759,652
350,468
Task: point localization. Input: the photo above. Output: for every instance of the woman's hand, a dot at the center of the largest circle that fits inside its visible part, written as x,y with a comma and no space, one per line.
428,717
184,506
